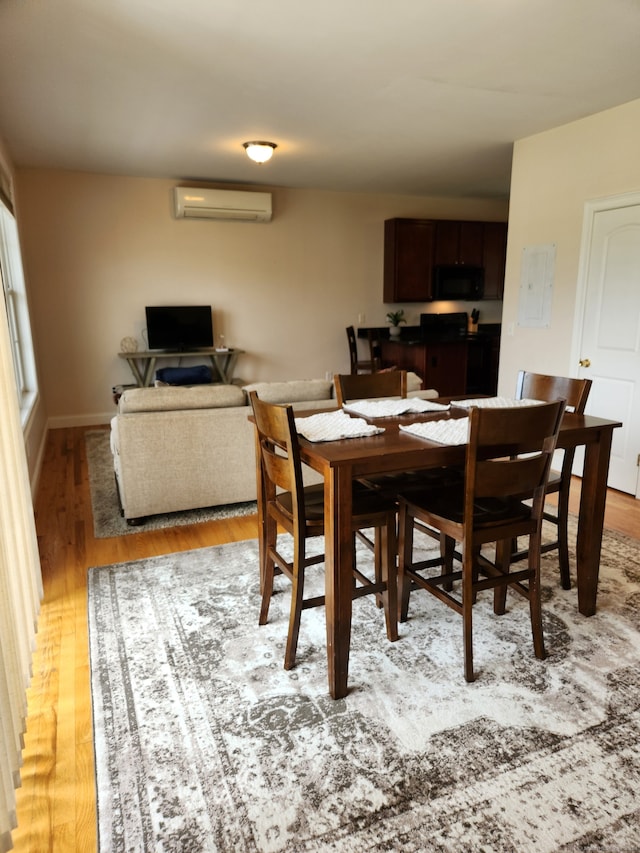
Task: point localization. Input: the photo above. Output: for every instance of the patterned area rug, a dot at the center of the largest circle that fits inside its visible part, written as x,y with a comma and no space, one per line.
204,743
107,520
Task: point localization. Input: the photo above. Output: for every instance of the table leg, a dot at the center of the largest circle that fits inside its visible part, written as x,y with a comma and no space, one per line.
230,367
591,519
135,369
224,365
338,575
149,371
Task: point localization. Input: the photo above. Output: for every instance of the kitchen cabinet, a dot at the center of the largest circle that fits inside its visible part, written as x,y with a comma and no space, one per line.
441,365
458,243
464,367
412,247
494,258
408,260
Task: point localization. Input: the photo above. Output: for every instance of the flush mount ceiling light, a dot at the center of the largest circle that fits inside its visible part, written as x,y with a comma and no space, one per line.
259,152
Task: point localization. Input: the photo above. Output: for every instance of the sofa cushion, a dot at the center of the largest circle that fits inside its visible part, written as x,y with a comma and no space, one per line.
295,391
169,397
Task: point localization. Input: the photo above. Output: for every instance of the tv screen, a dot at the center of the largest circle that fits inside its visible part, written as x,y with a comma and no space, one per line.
179,327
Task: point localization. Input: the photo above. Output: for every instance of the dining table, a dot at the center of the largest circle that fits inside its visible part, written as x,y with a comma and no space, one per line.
392,449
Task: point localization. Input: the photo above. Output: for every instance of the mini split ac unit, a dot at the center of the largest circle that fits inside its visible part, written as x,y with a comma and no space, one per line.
192,203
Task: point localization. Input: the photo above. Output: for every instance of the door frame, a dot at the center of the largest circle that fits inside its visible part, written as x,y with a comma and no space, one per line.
591,208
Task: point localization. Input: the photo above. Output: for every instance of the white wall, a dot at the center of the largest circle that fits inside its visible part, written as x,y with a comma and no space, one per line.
553,175
99,248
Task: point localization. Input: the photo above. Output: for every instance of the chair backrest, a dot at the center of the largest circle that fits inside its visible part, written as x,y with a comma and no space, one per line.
510,452
364,386
353,349
539,386
375,350
279,451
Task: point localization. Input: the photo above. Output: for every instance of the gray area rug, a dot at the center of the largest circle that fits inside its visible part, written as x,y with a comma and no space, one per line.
107,520
204,743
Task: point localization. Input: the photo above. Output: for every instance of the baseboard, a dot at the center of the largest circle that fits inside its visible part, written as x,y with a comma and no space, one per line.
81,420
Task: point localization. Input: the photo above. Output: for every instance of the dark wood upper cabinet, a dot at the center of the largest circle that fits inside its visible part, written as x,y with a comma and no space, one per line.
412,247
494,258
408,260
458,243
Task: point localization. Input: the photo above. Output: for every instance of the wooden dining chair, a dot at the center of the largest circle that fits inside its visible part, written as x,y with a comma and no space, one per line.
390,384
366,386
363,366
375,349
488,506
286,503
539,386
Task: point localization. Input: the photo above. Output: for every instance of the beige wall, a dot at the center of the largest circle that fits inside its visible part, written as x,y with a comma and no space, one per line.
553,175
99,248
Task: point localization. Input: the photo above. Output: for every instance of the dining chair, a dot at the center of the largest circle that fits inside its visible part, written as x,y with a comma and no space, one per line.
539,386
366,386
487,506
392,383
363,366
286,503
375,349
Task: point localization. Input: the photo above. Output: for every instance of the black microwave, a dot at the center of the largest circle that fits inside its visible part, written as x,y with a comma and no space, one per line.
458,282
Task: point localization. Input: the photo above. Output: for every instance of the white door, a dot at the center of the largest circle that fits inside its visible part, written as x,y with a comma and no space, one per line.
609,350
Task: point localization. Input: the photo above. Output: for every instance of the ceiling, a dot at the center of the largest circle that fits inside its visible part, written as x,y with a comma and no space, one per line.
419,97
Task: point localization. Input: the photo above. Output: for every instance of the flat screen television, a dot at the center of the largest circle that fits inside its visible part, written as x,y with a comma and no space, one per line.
179,327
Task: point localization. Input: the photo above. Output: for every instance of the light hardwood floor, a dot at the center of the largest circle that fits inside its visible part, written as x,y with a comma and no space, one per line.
56,803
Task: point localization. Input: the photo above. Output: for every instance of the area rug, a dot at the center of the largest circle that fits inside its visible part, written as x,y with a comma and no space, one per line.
107,519
204,743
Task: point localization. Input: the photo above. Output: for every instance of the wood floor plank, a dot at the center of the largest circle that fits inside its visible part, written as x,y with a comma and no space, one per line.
56,803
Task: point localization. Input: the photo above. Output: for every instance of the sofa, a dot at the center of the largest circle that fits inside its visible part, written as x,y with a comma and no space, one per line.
185,447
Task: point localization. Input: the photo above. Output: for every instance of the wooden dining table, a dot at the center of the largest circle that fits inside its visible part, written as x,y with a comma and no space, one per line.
340,462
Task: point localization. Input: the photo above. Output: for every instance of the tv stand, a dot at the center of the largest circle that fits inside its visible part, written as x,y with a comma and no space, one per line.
143,364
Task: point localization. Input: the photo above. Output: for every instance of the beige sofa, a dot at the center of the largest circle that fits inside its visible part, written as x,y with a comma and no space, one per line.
178,448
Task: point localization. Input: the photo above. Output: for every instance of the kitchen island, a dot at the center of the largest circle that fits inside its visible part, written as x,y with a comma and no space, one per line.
444,355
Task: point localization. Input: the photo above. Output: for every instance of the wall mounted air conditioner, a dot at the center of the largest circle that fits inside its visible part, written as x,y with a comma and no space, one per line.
192,203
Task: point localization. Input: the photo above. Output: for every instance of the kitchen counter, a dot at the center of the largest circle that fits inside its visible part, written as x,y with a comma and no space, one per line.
461,365
444,353
420,335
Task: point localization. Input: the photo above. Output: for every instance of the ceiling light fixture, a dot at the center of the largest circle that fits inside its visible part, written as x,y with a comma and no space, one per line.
259,152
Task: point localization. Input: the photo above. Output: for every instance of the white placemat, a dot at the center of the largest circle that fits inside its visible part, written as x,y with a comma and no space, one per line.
390,408
447,431
496,403
331,426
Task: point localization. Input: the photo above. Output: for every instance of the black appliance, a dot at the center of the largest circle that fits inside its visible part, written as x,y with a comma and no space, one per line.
179,327
443,326
458,282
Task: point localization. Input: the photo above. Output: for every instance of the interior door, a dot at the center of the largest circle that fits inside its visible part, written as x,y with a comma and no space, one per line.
609,352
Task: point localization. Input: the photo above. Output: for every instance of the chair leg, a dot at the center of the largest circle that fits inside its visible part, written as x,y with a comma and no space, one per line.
467,611
267,569
405,552
386,545
563,538
476,563
267,589
503,561
378,560
297,592
447,547
535,605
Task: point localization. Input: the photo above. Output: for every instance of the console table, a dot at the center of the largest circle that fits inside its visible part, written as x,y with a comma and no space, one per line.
143,364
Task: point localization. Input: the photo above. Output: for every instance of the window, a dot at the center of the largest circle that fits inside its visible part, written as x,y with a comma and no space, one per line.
15,298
